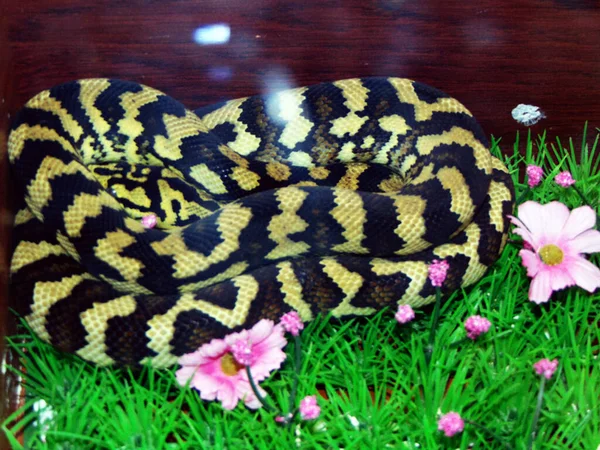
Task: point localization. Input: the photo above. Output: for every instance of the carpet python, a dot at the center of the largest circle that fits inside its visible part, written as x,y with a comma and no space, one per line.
329,198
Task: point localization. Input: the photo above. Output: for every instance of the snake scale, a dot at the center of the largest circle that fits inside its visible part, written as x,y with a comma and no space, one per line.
329,198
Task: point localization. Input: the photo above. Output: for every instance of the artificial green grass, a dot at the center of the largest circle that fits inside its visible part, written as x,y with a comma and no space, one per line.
379,390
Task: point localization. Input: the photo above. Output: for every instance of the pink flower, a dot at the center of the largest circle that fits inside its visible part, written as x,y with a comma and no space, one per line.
292,323
476,325
282,419
564,179
557,237
546,367
534,175
451,424
242,352
149,221
437,272
309,409
214,371
405,314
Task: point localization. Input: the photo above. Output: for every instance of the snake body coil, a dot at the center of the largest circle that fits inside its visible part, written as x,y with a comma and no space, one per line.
329,198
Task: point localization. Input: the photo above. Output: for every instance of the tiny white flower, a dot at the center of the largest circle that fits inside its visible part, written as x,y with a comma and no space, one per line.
353,421
527,114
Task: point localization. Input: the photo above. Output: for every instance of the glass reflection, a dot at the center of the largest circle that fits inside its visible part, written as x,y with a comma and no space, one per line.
212,34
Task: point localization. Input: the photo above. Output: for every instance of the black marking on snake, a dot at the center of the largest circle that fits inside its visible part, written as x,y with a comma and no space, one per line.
379,229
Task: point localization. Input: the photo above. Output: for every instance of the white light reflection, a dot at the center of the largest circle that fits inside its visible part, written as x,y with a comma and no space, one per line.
213,34
276,81
220,73
45,416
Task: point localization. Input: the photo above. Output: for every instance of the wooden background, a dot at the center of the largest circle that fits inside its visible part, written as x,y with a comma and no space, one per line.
491,55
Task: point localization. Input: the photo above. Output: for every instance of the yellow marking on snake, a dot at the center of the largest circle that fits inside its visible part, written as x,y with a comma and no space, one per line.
292,290
454,181
207,178
288,222
30,252
85,206
278,171
24,133
349,282
351,215
247,290
423,110
46,294
356,100
129,126
162,326
232,271
169,146
39,190
414,270
245,142
232,220
95,321
23,216
350,179
90,91
300,159
409,209
109,249
46,103
457,136
246,179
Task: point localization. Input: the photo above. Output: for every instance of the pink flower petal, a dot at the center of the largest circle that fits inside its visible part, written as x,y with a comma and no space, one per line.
261,330
244,392
227,396
191,359
586,242
184,375
554,217
560,278
531,261
585,274
581,219
529,213
213,349
522,230
208,383
540,289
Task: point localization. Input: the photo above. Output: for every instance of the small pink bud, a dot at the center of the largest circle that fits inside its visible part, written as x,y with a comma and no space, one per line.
545,367
149,221
534,175
309,409
476,325
242,352
451,424
281,419
564,179
292,323
405,314
438,271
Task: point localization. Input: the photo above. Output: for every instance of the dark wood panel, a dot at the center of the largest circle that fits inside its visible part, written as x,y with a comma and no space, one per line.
491,55
9,384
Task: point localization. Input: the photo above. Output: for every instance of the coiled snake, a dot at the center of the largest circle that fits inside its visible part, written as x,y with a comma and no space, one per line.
329,198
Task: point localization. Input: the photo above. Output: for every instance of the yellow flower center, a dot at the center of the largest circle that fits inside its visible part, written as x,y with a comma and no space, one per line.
551,254
229,365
